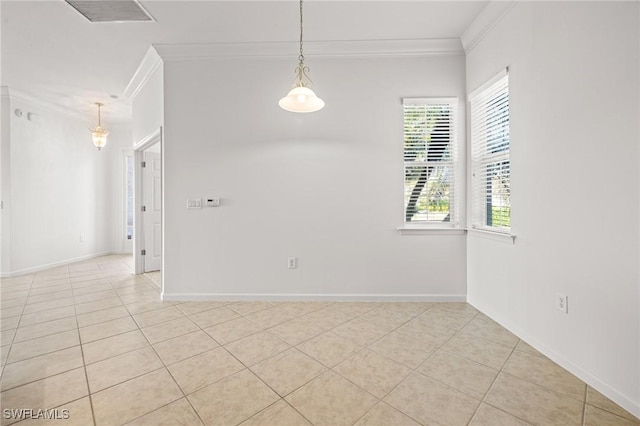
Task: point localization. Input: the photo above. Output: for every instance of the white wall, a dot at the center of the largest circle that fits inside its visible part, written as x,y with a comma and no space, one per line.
574,98
148,106
60,188
5,178
324,187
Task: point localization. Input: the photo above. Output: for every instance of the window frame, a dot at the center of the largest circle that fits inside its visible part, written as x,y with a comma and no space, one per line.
483,155
456,182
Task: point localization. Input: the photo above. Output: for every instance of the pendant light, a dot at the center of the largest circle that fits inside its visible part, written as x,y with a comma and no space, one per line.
99,134
301,98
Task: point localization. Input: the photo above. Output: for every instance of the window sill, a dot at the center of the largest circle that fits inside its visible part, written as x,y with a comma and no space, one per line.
492,235
431,231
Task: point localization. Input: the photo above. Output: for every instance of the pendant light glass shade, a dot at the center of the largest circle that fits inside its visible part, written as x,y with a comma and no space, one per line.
99,134
301,98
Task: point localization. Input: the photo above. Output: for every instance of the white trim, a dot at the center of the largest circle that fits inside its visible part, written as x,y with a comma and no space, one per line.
355,48
493,80
149,140
18,95
592,380
150,63
54,264
431,231
316,297
492,235
493,13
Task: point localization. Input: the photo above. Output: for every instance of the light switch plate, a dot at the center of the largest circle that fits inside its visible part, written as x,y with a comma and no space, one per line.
194,203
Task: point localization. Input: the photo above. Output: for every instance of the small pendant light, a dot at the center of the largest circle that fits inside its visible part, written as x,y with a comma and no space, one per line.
99,134
301,98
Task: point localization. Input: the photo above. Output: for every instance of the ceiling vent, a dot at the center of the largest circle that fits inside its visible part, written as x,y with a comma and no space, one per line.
111,10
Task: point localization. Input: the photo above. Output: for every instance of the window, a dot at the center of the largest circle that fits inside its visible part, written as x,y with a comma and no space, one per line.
430,161
490,158
129,197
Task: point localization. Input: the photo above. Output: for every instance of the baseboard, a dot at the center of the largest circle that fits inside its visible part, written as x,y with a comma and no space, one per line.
595,382
54,264
316,297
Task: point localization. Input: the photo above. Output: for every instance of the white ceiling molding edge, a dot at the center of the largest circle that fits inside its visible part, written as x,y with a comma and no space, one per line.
19,95
150,62
356,48
484,23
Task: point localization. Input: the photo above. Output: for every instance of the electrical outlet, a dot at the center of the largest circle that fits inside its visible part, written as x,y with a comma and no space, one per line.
292,263
562,303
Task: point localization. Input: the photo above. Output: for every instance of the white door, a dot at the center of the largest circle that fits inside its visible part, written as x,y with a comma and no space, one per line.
152,202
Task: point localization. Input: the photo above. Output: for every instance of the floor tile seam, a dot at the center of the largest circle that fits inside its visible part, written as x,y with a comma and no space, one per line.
4,295
636,420
462,330
584,407
48,309
13,338
44,353
489,340
163,406
449,351
128,380
554,390
398,408
103,321
44,335
292,391
84,367
348,379
231,341
435,379
297,343
90,301
45,321
185,395
286,402
171,364
136,376
504,411
3,389
128,351
157,323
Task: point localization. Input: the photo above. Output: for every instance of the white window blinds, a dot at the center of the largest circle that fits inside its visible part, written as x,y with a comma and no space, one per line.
430,160
490,159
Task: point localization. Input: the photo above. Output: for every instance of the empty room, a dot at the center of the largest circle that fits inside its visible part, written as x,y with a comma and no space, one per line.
299,212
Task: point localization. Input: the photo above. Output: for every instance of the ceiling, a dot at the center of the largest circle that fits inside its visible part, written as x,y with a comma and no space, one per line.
52,52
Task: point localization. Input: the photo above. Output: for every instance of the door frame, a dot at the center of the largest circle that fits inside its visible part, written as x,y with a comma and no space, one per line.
138,225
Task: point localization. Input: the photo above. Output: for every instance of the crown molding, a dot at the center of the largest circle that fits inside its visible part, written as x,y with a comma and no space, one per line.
19,95
150,63
355,48
485,22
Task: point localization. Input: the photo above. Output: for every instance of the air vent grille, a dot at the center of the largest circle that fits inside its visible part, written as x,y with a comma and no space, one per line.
111,10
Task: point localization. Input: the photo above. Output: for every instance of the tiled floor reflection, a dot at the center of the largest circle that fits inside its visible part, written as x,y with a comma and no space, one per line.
93,342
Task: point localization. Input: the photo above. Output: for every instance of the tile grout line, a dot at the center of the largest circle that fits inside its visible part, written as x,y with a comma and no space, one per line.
13,338
84,366
164,366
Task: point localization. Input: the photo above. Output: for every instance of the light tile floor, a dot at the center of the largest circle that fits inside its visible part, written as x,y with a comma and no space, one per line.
95,340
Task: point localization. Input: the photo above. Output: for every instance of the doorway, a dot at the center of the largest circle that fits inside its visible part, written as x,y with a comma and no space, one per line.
148,235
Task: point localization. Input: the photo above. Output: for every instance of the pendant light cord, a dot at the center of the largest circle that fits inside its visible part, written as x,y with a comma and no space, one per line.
301,57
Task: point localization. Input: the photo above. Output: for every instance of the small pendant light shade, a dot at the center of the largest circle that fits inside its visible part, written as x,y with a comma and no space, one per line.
301,98
99,134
